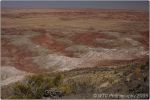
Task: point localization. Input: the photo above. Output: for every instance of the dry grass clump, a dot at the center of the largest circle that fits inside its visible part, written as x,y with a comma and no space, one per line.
34,87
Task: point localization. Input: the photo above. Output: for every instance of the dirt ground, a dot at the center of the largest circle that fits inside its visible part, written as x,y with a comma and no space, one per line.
51,40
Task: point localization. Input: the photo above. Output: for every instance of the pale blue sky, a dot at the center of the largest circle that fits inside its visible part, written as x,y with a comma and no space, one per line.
130,5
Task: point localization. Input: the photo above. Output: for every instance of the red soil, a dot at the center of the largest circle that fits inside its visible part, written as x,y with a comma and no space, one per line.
49,42
13,31
88,38
145,39
40,30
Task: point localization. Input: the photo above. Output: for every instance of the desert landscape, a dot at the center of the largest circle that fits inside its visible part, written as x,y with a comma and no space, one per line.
79,52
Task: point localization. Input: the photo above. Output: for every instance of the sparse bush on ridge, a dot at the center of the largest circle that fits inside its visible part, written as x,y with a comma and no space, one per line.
121,80
83,87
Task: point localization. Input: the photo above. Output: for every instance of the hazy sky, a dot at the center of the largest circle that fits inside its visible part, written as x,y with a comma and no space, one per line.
131,5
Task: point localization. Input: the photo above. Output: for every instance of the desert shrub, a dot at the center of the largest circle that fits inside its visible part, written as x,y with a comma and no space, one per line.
34,87
15,97
21,90
58,79
81,87
65,88
144,66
